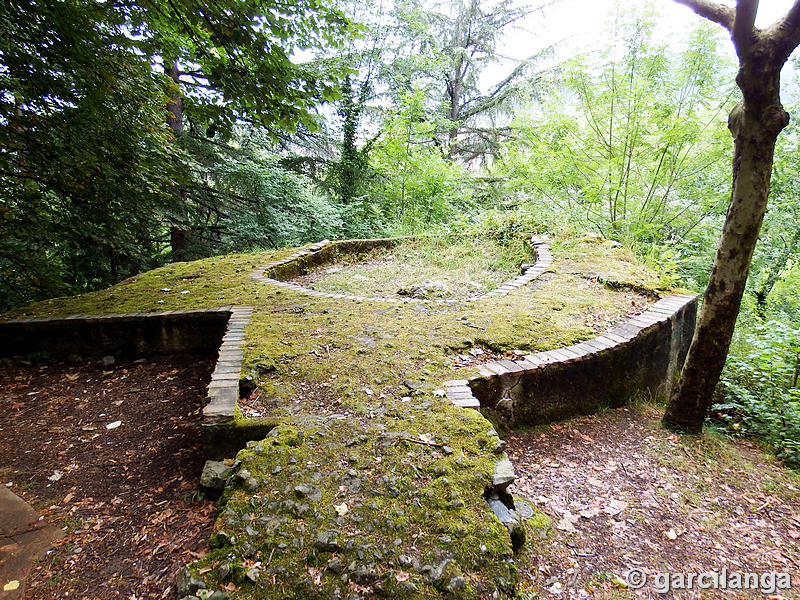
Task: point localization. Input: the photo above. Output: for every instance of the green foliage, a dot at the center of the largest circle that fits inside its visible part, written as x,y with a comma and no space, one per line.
628,144
89,171
281,208
86,154
760,389
419,187
234,57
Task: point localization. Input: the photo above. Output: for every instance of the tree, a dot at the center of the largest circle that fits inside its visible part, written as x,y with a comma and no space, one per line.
779,239
85,157
627,135
452,50
755,124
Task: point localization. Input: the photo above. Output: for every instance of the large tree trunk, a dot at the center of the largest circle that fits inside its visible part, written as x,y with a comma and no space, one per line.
755,124
754,137
179,238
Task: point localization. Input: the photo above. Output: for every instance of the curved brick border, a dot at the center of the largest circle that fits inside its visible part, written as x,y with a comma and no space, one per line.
325,251
661,335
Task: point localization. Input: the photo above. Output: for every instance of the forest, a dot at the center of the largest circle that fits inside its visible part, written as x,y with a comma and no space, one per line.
143,132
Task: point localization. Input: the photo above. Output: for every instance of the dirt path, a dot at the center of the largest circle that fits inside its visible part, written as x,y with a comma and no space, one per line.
112,456
625,494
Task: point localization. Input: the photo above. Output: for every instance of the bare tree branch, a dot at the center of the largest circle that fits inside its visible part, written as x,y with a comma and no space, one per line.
713,11
744,33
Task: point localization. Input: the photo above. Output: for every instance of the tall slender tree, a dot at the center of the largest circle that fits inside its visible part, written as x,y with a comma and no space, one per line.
755,124
454,46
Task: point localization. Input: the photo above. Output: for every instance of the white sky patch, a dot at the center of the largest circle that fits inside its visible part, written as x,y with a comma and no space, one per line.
583,26
584,23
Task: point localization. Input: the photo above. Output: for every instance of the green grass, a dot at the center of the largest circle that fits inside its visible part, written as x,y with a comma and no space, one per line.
462,266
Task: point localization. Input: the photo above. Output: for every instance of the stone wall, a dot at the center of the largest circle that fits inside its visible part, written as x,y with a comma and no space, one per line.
640,357
321,253
132,334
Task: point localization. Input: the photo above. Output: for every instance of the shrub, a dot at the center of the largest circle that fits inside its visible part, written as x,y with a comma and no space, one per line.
759,388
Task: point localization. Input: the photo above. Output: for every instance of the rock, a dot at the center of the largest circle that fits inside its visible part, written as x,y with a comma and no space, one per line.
407,587
214,475
428,289
364,575
224,571
109,361
248,550
251,484
308,491
188,583
456,584
327,541
504,474
253,574
335,565
436,573
218,595
512,521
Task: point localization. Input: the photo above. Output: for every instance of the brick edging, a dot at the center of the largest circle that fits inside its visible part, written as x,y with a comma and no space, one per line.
223,389
116,316
222,392
544,259
459,391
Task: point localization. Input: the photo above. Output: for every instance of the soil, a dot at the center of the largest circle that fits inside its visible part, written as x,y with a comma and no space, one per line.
625,494
112,456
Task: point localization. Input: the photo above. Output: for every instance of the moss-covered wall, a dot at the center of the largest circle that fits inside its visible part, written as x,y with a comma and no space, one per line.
323,253
647,364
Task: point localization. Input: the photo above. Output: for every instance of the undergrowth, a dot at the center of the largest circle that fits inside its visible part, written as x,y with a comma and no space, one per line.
759,391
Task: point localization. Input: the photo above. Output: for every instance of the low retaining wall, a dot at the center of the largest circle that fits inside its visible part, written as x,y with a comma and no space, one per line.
643,355
131,334
171,332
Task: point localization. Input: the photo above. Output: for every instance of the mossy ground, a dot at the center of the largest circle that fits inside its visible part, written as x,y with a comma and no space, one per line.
459,266
356,386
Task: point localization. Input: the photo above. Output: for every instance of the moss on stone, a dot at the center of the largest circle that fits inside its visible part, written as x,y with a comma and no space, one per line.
369,480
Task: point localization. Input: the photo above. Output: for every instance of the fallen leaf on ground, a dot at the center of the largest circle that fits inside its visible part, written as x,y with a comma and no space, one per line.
615,507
